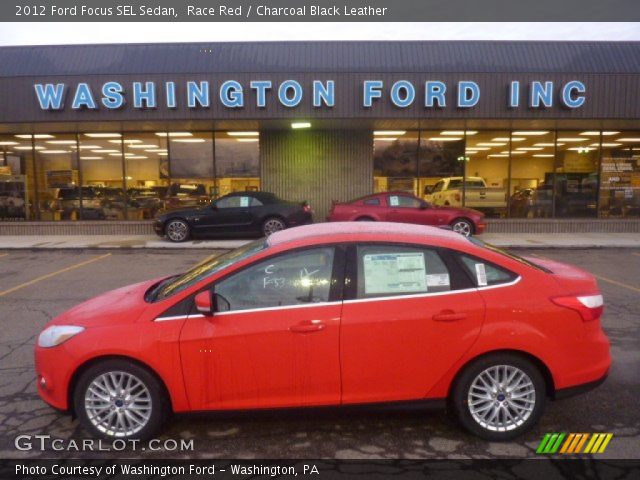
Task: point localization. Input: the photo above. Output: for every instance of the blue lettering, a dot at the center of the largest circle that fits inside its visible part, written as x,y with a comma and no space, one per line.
146,96
372,89
170,88
283,93
261,87
573,94
468,94
514,94
435,91
405,99
540,93
231,94
324,93
112,96
83,97
50,96
198,94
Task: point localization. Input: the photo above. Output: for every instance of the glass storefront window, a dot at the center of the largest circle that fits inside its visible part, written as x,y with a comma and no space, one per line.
576,173
486,184
190,169
237,159
395,164
146,158
17,179
620,174
441,156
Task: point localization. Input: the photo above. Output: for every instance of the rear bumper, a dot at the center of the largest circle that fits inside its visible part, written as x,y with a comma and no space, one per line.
579,389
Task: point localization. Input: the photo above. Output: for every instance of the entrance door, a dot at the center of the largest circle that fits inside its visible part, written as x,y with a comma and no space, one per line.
409,322
274,340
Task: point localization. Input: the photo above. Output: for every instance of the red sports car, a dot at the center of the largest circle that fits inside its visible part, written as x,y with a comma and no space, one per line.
406,208
332,314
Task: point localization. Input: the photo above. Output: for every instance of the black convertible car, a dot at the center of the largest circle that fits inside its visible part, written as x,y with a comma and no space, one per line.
239,213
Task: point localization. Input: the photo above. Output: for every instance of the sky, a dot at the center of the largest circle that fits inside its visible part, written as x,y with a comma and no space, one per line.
69,33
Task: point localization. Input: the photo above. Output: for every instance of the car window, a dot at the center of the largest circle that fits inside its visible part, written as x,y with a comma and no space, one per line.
403,201
371,201
297,278
485,273
438,186
385,270
238,201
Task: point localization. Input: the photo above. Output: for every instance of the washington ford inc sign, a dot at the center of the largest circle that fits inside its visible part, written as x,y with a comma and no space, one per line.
291,93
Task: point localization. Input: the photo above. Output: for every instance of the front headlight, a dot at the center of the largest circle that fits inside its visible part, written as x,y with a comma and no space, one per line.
57,334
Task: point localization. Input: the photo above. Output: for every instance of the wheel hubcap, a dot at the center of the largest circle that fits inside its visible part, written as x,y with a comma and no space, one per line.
118,404
462,228
272,226
177,231
501,398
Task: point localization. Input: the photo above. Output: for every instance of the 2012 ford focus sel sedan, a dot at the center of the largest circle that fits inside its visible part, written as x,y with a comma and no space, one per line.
332,314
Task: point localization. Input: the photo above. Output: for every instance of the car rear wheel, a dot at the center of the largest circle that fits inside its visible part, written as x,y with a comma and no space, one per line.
119,399
499,396
462,226
177,230
272,225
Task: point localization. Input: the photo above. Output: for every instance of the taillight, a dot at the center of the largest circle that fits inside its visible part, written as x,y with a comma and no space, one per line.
589,307
307,208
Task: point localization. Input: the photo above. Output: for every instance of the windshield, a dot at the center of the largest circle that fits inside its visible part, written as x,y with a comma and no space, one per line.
178,283
510,255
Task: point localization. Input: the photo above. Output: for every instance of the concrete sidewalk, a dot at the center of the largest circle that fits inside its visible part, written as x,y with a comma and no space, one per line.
508,240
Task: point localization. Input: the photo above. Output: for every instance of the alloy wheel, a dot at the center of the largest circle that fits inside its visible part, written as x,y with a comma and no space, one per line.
272,225
118,404
462,227
177,231
501,398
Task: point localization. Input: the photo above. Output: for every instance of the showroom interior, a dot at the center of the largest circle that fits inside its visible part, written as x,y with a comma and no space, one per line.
541,160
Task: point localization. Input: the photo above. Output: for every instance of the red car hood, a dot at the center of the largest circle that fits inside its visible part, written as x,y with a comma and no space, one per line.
123,305
572,278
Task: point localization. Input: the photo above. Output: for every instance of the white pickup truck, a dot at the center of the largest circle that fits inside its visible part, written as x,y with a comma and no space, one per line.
448,192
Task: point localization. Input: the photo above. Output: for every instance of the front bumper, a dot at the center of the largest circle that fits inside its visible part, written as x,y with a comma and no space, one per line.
158,227
54,367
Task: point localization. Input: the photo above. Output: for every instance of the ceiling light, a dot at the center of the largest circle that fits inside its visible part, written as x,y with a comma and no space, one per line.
62,142
143,145
243,134
126,141
473,147
547,144
605,144
157,150
491,144
174,134
55,151
190,140
86,147
595,132
531,132
544,155
103,135
458,132
499,155
247,139
136,157
389,132
628,139
37,147
572,139
90,158
297,125
386,139
105,151
529,149
581,149
9,143
445,139
37,135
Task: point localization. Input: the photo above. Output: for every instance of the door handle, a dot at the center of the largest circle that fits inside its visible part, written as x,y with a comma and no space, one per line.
449,316
308,326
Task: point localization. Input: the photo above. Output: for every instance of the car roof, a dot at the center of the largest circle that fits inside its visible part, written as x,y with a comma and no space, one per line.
367,231
256,194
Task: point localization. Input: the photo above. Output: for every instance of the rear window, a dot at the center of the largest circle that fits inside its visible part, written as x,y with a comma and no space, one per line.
507,254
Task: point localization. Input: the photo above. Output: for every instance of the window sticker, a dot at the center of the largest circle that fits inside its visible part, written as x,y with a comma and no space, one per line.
438,280
481,274
394,201
244,201
394,273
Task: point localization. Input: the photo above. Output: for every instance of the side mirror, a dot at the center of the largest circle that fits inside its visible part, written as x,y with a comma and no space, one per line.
203,302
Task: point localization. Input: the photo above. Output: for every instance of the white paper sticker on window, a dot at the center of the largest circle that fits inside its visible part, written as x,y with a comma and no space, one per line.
394,273
438,280
481,274
244,201
394,201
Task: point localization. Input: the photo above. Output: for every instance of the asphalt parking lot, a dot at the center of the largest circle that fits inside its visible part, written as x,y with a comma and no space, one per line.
35,286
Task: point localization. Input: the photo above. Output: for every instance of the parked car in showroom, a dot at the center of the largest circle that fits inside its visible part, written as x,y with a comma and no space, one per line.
477,194
332,314
407,208
239,213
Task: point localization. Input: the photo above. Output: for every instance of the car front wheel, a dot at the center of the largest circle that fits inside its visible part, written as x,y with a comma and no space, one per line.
177,230
463,227
272,225
499,396
119,399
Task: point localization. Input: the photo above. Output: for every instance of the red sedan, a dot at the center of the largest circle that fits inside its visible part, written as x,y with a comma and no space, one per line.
406,208
332,314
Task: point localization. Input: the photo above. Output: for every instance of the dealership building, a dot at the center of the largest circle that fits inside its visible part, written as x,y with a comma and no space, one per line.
542,136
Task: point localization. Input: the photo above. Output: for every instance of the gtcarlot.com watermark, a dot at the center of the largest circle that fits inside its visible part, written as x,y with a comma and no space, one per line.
47,443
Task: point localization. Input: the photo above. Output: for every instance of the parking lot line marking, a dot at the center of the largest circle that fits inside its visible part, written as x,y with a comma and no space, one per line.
619,284
53,274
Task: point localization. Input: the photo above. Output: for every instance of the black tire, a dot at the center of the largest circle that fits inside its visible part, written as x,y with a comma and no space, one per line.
461,393
463,226
177,230
159,410
271,225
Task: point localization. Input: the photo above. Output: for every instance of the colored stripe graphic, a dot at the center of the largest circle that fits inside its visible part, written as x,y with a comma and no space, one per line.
572,443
